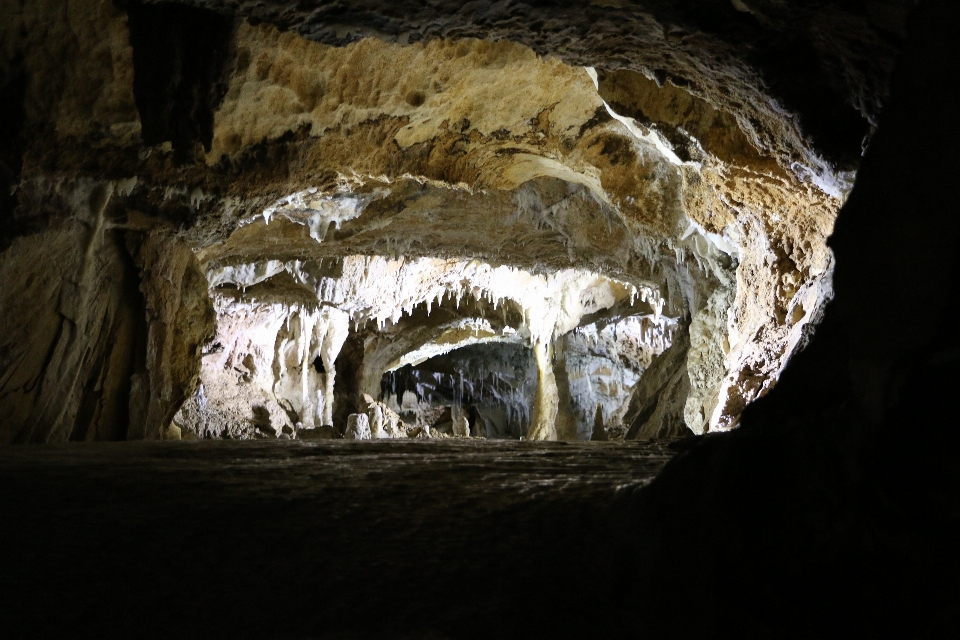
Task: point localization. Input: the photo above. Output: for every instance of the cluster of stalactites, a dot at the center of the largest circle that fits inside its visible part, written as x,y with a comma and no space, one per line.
365,289
384,290
653,332
286,340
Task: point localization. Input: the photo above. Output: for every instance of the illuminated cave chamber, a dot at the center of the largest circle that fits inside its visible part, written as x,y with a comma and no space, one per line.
528,248
583,254
487,389
422,347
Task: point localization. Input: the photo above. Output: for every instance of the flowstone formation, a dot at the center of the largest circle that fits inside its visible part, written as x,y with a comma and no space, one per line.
260,218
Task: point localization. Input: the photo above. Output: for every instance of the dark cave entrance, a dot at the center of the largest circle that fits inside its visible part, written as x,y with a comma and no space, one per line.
492,385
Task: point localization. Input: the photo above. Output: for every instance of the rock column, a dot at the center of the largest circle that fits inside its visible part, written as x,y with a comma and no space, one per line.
543,423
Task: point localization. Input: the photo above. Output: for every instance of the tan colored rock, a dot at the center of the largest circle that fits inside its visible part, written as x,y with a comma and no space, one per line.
461,426
438,161
81,66
107,334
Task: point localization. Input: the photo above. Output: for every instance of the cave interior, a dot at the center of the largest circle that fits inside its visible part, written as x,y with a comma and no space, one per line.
449,320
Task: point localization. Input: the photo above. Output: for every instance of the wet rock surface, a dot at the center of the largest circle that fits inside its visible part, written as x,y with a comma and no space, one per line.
332,539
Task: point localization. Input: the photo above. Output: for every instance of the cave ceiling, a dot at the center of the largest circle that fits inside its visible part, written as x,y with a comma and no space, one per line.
680,161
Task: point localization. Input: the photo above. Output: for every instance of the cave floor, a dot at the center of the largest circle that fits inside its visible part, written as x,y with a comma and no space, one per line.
289,539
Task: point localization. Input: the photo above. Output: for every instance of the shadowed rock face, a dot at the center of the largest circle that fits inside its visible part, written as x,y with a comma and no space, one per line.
695,155
839,492
179,55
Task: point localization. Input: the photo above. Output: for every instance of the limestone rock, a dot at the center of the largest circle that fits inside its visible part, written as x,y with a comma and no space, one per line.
658,403
461,426
358,427
222,229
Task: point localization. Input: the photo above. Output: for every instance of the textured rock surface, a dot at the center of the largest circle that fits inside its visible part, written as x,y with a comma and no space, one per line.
656,403
681,150
722,50
104,339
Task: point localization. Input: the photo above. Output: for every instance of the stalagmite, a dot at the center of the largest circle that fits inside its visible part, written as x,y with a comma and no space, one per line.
599,431
461,426
358,427
338,324
376,421
543,421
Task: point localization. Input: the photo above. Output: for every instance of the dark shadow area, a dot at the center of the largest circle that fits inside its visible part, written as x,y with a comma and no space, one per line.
833,511
346,391
492,384
335,539
181,58
12,91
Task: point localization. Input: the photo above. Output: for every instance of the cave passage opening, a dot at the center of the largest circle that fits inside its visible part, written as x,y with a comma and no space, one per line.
483,390
488,390
422,347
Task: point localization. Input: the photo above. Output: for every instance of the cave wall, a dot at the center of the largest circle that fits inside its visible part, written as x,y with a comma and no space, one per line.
104,336
106,309
836,499
77,328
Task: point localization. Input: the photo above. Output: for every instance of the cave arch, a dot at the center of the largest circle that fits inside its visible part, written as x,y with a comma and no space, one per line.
276,318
